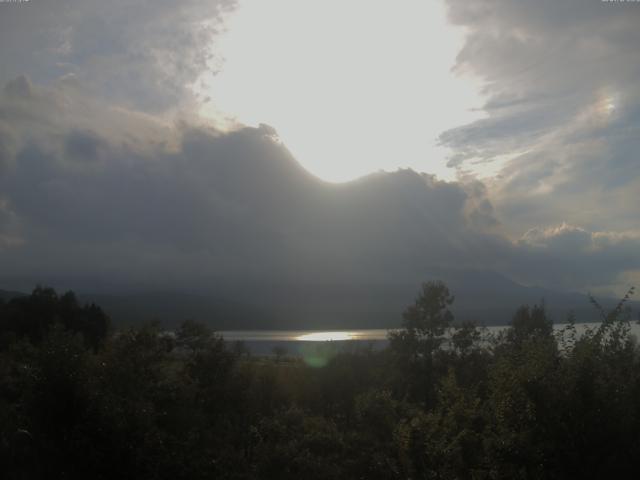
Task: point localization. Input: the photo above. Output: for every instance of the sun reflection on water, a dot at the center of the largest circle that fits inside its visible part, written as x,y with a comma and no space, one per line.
325,336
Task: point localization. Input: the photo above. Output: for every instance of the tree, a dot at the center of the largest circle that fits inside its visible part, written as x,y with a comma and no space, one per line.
530,322
33,317
279,351
194,336
425,324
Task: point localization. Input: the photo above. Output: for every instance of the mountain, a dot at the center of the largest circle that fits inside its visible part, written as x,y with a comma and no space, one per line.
483,297
7,295
171,308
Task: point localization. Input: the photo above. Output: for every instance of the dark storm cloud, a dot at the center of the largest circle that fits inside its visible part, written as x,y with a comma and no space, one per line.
84,145
90,191
562,99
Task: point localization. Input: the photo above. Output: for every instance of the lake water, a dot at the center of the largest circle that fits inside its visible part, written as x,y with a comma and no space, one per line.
304,335
301,342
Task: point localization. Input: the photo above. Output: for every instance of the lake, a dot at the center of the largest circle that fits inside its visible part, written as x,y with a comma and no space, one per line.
300,342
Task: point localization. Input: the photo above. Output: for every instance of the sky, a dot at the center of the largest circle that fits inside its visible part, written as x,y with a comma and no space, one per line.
355,71
149,144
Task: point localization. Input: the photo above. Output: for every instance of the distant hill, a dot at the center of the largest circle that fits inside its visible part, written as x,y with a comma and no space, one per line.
484,297
8,294
171,308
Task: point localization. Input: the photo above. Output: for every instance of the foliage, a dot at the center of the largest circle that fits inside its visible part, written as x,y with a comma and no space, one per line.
443,401
33,316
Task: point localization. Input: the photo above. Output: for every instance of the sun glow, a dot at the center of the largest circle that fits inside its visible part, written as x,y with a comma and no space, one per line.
351,87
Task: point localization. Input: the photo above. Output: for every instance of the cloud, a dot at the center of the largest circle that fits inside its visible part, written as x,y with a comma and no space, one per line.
562,102
96,195
19,87
141,53
564,238
567,255
94,189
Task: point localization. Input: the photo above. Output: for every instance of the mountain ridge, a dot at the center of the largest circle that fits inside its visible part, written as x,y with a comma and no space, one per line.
340,306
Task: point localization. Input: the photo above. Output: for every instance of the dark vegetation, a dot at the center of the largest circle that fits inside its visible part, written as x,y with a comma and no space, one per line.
443,401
